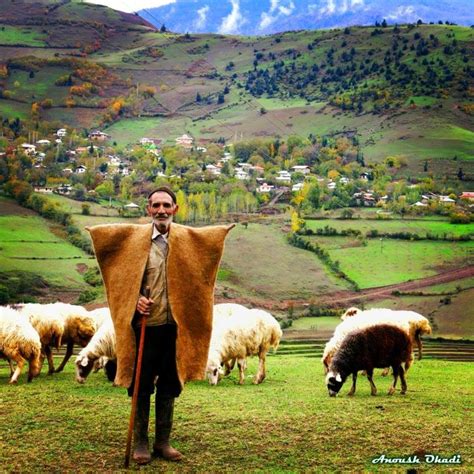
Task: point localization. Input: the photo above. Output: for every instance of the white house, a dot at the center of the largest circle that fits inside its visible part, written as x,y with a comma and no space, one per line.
344,180
265,188
28,148
81,169
301,169
297,187
446,200
283,176
61,132
331,185
213,170
185,141
241,174
98,135
43,142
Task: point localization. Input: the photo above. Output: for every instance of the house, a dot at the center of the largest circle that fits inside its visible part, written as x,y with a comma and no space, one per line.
43,189
446,200
283,176
420,204
297,187
185,141
28,148
364,176
98,135
213,170
43,142
113,160
364,199
241,174
61,133
81,169
467,195
265,188
301,169
331,185
64,189
67,171
202,149
344,180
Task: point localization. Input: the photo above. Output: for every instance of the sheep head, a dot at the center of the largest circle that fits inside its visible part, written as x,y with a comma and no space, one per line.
334,382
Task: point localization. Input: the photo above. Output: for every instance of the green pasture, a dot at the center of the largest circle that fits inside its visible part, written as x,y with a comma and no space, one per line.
321,323
16,35
286,424
12,110
388,261
42,86
262,264
28,244
439,228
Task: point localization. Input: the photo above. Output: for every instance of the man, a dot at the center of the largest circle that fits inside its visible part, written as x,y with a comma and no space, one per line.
179,266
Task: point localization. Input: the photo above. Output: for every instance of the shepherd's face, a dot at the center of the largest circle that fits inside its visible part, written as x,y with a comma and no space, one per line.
162,209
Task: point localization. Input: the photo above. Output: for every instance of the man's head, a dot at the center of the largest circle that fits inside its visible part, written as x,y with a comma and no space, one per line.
162,207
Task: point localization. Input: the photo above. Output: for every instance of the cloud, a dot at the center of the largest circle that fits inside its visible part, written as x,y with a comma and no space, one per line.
405,12
329,9
232,22
131,6
276,11
200,23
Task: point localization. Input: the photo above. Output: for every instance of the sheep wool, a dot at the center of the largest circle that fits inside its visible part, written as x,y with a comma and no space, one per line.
193,258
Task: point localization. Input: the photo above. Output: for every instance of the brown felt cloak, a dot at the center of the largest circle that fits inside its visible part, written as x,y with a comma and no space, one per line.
193,259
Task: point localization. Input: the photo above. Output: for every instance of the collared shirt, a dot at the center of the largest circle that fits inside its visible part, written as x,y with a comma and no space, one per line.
157,233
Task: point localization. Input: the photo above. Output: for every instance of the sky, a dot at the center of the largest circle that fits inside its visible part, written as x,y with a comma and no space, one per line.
131,5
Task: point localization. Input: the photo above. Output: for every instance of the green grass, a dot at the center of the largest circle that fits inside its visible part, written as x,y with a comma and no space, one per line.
27,244
14,36
263,264
287,424
420,227
321,323
388,261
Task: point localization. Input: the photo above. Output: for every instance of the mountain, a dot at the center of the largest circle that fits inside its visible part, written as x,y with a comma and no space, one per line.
250,17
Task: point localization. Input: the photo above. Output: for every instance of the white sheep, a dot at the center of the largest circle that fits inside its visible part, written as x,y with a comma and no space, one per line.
50,327
240,334
19,341
100,316
412,323
99,351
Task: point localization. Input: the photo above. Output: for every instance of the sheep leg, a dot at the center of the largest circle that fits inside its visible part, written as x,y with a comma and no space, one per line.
419,344
49,356
242,364
67,356
353,388
373,388
395,378
11,367
260,377
20,362
403,381
229,365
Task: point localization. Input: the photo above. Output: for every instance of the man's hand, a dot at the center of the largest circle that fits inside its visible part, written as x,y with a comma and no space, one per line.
144,305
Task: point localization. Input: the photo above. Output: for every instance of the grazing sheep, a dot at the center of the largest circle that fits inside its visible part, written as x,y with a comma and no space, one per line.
365,349
239,335
412,323
50,327
79,327
99,352
19,341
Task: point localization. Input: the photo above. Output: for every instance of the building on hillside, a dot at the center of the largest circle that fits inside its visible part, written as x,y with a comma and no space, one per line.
297,187
67,171
43,142
331,185
28,148
98,136
81,169
185,141
43,189
283,176
467,195
215,170
265,188
420,204
301,169
241,174
61,133
446,200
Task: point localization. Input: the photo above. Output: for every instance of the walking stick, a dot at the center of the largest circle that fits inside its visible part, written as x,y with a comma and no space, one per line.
136,385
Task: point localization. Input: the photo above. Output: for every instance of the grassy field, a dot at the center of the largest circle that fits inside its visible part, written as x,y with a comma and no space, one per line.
439,228
272,268
28,244
287,424
386,262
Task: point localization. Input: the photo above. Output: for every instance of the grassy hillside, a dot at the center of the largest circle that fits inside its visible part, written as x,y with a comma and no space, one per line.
288,423
403,90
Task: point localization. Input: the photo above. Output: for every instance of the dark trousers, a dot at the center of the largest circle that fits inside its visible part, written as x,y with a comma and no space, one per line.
159,362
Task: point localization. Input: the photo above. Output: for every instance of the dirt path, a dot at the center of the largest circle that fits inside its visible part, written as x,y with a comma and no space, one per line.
346,297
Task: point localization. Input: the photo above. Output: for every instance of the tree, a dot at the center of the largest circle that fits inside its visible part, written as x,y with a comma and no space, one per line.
425,166
460,174
220,98
163,28
198,97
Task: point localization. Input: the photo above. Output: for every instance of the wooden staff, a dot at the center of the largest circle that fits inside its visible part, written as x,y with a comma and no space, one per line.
136,385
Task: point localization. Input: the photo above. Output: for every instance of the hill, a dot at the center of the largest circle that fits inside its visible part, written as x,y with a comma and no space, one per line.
404,90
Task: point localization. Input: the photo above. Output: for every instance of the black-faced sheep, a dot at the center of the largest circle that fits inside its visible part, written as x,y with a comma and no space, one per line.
365,349
241,334
413,323
99,352
19,341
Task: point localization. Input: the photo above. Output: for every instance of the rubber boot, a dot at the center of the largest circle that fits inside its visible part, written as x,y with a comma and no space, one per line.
164,422
141,453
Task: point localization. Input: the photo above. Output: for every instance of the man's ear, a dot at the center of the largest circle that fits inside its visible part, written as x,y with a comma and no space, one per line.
176,207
